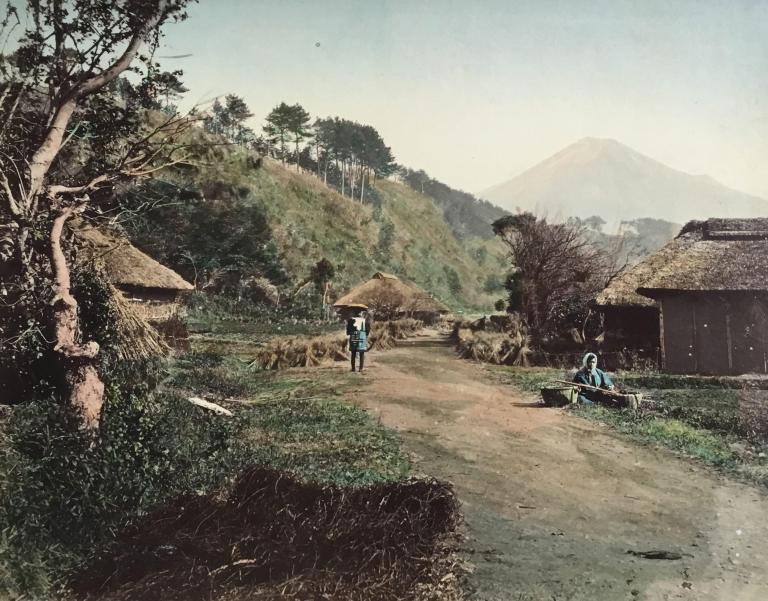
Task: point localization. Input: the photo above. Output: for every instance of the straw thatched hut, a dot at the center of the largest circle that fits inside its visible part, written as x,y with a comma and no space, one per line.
711,284
631,320
153,290
389,297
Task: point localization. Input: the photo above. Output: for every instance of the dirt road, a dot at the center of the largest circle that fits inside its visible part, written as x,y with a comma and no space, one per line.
556,506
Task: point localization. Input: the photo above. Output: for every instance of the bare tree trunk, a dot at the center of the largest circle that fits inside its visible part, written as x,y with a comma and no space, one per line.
362,186
84,387
343,179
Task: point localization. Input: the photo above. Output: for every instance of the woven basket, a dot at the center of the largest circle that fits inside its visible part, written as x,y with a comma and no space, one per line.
559,396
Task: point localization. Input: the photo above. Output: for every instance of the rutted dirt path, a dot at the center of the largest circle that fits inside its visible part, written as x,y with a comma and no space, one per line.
553,503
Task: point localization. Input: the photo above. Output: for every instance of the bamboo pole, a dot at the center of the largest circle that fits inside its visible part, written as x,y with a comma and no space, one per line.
588,387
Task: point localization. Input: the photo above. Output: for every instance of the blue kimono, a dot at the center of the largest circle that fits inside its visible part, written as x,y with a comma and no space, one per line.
358,329
595,377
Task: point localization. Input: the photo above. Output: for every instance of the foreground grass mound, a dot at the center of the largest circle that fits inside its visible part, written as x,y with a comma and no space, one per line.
65,493
282,538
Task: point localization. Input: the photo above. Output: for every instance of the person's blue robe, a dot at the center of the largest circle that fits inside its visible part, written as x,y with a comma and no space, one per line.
597,378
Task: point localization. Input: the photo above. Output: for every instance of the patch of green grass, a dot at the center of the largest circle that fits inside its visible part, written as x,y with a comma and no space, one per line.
297,421
672,433
324,440
656,380
713,409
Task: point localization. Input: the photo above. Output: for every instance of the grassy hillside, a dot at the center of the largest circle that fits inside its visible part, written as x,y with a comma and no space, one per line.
405,233
311,221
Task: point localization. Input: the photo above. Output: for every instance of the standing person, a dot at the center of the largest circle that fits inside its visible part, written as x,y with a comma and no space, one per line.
591,376
358,328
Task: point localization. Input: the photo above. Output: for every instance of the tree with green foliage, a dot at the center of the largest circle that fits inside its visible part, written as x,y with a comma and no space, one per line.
218,245
322,273
228,120
278,127
170,88
493,283
352,153
298,126
386,239
453,280
68,138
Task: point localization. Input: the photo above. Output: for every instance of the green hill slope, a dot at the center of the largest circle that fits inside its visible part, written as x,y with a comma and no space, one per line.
311,221
305,221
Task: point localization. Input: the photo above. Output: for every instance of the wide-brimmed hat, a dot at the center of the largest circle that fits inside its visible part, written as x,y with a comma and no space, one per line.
356,306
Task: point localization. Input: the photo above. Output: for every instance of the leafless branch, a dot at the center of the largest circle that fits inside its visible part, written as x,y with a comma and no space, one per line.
13,204
55,191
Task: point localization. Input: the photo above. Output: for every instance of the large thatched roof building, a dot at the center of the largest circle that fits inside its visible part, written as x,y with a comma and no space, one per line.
711,285
387,296
152,289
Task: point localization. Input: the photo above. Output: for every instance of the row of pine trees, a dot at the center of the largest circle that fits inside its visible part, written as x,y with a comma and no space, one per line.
343,153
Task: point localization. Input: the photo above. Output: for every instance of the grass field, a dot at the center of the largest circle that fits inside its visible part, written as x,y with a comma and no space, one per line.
708,418
295,420
65,496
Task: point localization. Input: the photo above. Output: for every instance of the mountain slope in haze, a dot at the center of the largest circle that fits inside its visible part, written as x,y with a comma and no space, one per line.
604,177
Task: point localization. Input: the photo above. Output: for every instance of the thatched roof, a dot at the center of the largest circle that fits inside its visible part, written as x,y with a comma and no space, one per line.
136,339
124,264
385,288
714,255
622,291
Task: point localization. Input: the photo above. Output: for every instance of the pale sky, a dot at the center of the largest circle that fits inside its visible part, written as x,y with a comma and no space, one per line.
475,92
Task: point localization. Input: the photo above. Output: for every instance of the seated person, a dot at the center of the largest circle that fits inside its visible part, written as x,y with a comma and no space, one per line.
591,376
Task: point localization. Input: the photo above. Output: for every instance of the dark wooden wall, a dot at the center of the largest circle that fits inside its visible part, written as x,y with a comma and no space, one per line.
631,327
713,333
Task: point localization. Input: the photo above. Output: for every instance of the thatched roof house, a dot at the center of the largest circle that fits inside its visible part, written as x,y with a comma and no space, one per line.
388,296
631,319
711,284
153,289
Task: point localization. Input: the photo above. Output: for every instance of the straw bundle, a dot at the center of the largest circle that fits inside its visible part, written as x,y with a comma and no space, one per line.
136,339
501,348
384,335
283,352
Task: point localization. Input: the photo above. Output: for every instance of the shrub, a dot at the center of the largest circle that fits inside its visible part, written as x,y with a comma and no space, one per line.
70,489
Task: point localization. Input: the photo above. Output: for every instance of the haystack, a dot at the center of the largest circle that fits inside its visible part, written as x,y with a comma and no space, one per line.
389,297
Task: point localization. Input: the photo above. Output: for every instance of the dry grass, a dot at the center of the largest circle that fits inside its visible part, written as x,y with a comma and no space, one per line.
507,344
283,352
136,339
273,537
